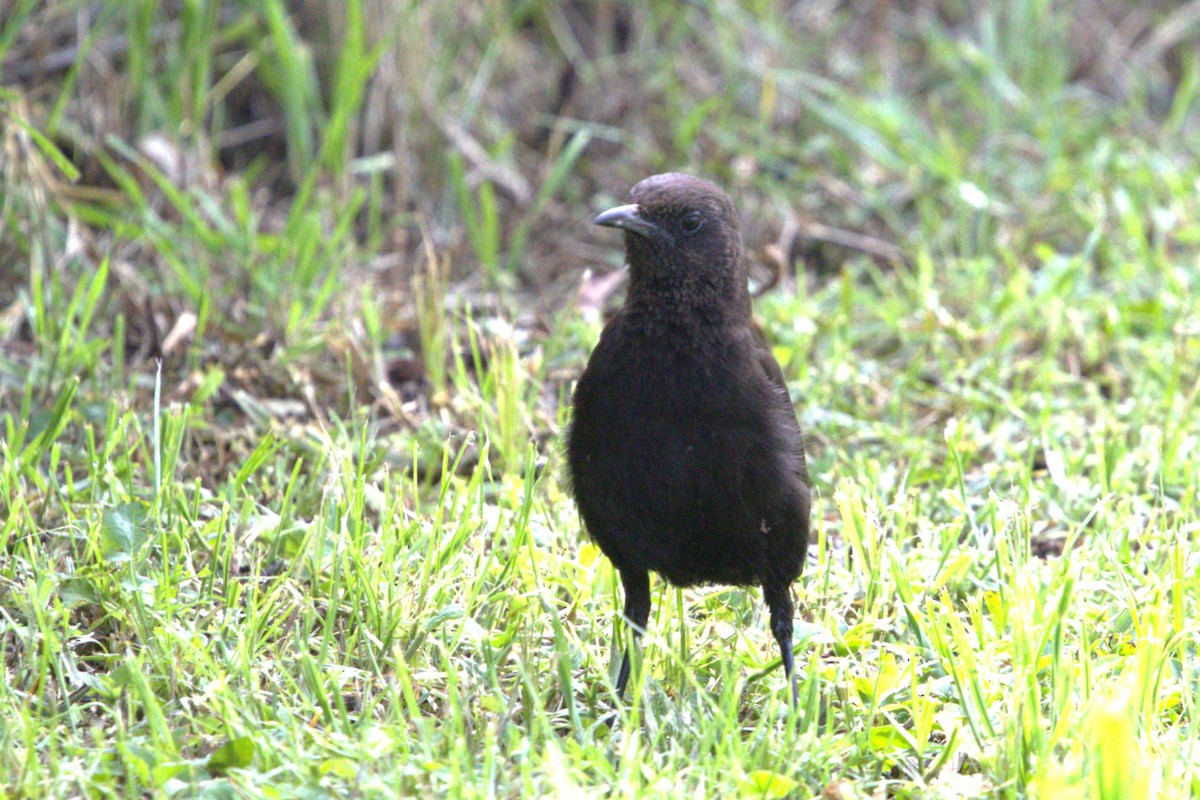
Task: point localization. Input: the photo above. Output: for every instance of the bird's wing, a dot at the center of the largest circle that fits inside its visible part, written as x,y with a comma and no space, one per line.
766,360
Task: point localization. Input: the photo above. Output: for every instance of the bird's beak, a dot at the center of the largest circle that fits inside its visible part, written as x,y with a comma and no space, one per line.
629,218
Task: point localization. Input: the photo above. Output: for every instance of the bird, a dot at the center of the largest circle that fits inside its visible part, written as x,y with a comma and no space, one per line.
684,455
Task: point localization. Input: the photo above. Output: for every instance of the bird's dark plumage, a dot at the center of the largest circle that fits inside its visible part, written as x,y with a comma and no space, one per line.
684,453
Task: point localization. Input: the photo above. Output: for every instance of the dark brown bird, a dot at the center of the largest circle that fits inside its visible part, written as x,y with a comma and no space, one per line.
684,453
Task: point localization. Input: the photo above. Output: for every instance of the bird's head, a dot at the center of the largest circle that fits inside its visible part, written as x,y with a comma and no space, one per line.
681,239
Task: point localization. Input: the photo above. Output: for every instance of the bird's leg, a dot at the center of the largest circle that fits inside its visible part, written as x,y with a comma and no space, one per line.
637,614
779,601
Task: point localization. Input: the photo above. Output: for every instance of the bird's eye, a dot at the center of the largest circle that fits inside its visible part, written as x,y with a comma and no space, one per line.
691,222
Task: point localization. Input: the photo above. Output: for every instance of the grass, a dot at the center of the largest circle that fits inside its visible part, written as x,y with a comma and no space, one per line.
290,311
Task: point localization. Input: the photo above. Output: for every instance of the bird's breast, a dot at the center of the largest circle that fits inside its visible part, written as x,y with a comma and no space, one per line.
665,407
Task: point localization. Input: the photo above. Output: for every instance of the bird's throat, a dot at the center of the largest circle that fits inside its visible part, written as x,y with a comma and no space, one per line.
688,297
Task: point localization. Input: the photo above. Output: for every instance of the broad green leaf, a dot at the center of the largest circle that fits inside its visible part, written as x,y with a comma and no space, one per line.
234,754
123,532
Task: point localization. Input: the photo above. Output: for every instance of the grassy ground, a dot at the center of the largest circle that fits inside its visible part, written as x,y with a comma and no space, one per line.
291,298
